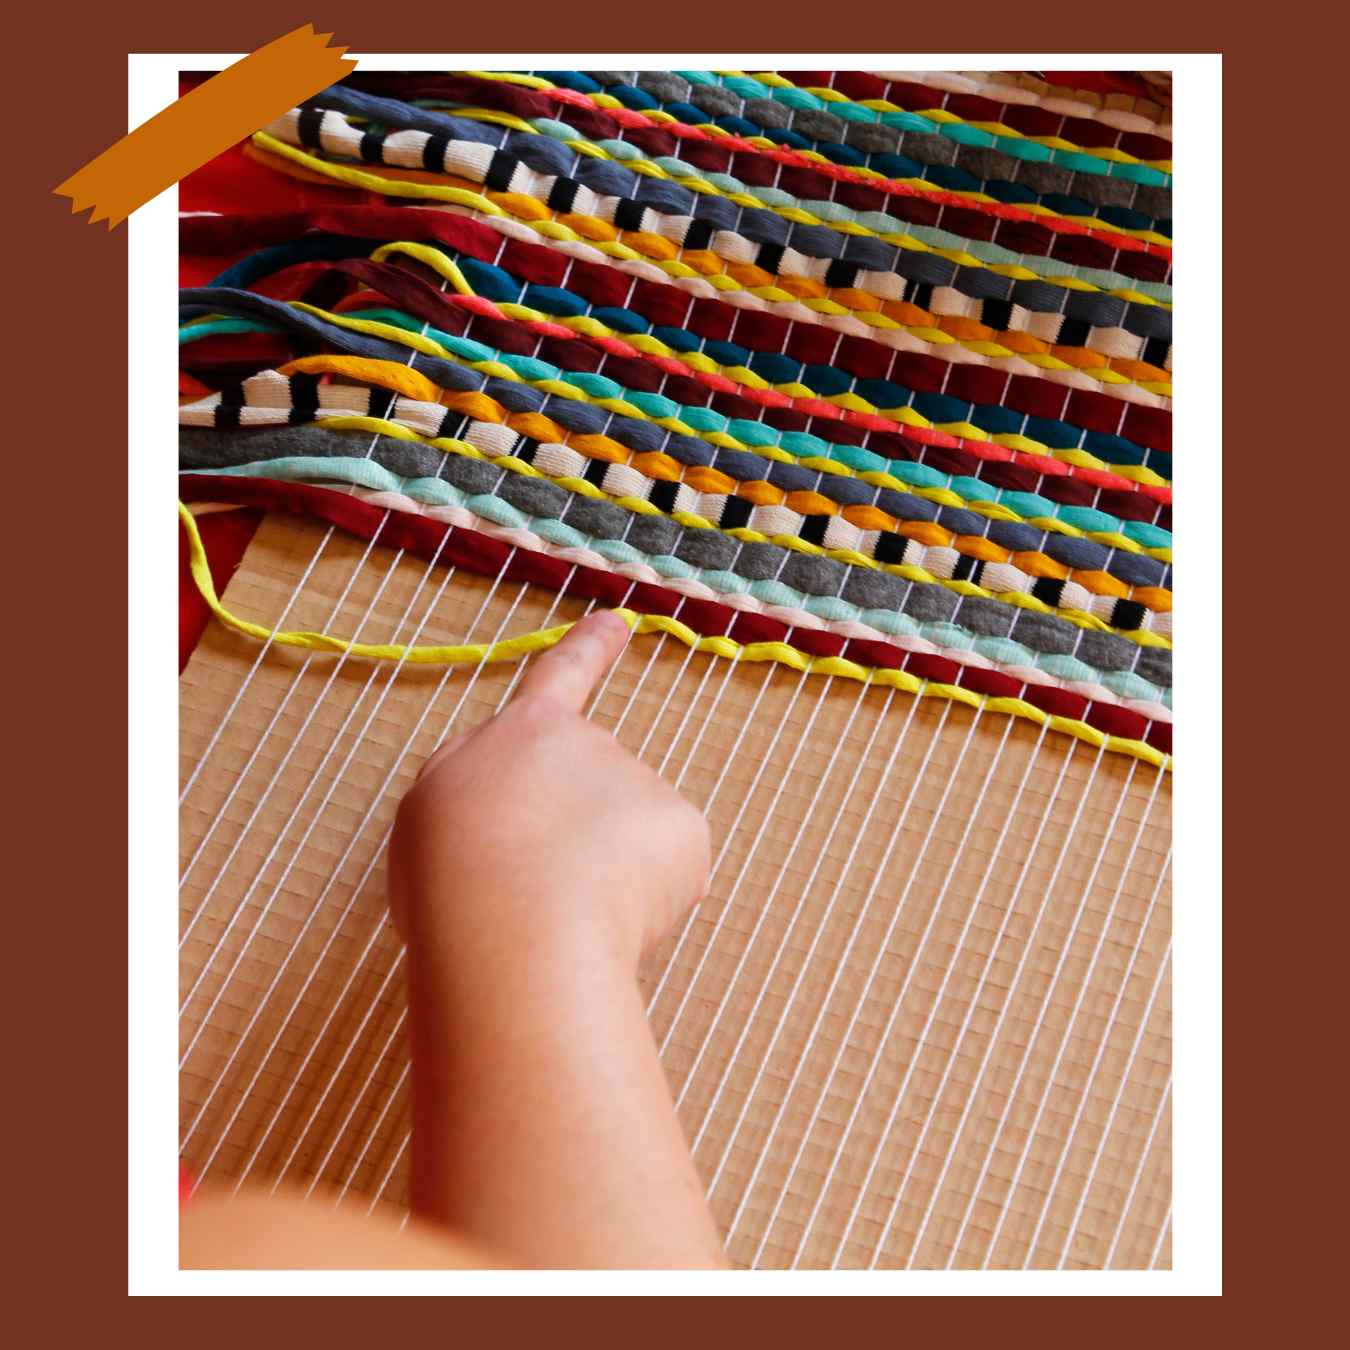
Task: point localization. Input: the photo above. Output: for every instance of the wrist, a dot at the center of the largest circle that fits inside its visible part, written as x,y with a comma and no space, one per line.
474,932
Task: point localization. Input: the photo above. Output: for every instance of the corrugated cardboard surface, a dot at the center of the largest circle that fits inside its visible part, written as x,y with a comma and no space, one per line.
923,1016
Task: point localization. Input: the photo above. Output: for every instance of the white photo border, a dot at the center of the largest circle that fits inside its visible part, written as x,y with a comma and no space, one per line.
153,739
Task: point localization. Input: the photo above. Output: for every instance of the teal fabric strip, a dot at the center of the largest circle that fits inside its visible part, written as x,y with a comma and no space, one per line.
194,332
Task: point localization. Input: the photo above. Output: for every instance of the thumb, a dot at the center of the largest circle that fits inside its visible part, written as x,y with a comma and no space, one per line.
567,673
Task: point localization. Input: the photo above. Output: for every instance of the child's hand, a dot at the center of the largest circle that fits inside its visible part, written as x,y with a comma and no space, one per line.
539,826
531,864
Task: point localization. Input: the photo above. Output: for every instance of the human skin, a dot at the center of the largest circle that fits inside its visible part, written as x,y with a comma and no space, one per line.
256,1230
531,865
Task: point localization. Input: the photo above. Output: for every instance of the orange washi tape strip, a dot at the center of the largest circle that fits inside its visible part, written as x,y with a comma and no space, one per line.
205,123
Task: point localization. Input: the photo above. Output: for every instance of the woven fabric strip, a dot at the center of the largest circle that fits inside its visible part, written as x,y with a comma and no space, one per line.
1022,599
910,465
366,338
841,447
960,492
1090,125
908,533
742,459
817,590
548,263
951,341
761,238
616,167
1062,441
827,114
1066,318
433,498
1064,315
898,144
739,437
706,625
761,159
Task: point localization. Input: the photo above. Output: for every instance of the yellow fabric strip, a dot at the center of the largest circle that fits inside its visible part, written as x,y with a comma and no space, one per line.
513,649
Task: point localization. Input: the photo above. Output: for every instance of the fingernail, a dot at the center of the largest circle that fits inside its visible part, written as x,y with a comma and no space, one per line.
611,619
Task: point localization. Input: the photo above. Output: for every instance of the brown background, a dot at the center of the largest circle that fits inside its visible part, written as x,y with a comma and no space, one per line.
66,1076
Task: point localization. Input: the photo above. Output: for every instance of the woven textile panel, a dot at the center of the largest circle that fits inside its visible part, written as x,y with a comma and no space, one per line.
853,391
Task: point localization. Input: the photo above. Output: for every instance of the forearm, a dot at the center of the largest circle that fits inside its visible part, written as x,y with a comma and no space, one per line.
251,1231
542,1121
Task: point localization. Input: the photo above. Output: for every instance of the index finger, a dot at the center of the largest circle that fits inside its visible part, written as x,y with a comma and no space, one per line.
566,674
